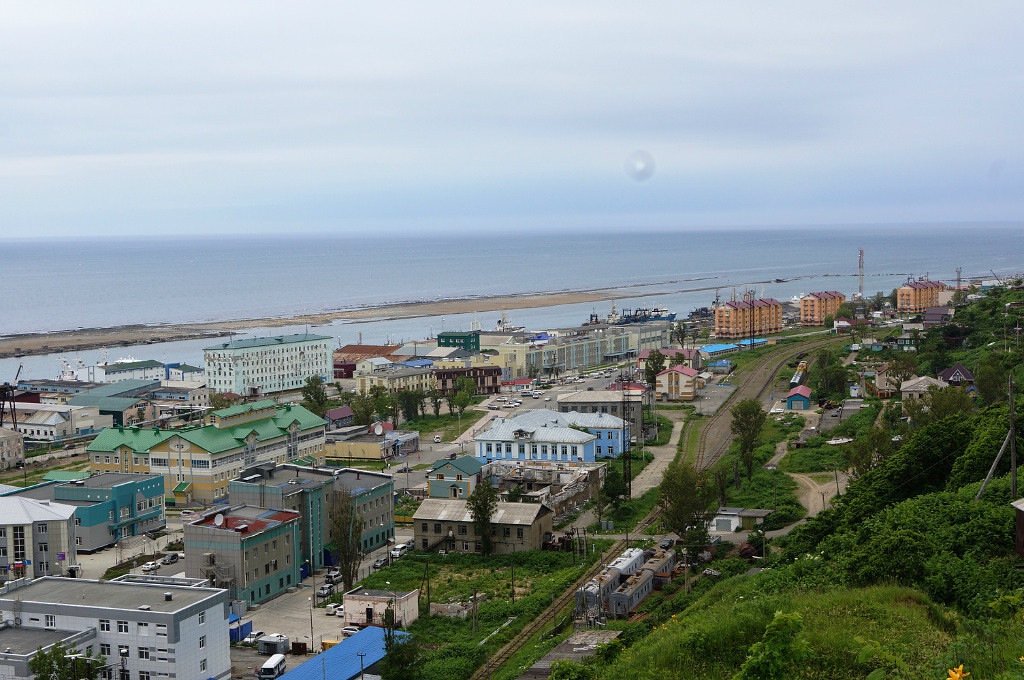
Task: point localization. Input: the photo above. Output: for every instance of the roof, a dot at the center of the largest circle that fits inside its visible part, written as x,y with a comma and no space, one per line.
18,510
955,369
723,347
131,365
680,369
825,295
73,592
181,487
545,425
249,517
338,413
598,396
800,391
466,464
454,510
921,384
923,284
346,659
64,476
119,389
688,352
746,304
264,342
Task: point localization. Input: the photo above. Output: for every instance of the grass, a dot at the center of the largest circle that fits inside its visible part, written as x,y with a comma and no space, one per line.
629,513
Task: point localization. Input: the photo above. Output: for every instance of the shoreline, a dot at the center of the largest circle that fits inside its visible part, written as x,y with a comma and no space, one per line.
81,339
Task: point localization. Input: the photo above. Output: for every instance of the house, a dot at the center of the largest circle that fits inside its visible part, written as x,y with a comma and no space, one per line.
367,607
958,375
341,416
257,366
885,385
936,316
454,478
677,383
54,422
799,398
448,525
149,628
37,538
738,519
917,387
545,435
108,507
252,552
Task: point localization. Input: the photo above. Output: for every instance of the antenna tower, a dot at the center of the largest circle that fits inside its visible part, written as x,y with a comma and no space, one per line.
860,272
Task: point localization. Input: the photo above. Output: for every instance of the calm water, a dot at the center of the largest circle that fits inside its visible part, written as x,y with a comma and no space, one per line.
100,283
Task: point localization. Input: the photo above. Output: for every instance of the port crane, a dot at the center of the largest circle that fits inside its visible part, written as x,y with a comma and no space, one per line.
7,400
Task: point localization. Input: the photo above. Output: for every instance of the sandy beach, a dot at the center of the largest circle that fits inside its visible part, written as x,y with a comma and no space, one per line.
97,338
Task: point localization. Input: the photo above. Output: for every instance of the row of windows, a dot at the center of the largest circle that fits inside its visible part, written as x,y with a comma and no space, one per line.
566,450
463,530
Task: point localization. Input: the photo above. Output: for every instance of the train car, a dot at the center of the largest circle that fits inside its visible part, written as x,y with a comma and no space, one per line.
629,562
631,593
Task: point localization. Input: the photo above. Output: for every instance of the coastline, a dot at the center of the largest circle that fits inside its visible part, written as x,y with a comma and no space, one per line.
81,339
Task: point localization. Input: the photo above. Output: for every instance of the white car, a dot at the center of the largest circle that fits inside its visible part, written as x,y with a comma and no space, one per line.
349,630
253,637
150,566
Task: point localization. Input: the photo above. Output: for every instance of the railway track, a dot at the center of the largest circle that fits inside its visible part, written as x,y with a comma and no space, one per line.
716,428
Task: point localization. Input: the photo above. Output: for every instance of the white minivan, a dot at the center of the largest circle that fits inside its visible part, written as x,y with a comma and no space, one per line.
273,667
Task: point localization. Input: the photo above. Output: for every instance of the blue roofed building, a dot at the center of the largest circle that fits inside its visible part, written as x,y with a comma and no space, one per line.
709,351
346,660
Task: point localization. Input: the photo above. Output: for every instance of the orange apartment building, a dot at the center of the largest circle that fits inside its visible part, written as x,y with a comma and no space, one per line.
814,307
741,319
917,296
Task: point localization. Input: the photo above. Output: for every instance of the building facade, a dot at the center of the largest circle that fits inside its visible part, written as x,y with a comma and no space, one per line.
12,449
467,340
454,478
448,525
267,365
197,463
145,631
545,435
917,296
253,553
37,538
394,380
678,383
746,318
55,422
623,404
814,307
486,378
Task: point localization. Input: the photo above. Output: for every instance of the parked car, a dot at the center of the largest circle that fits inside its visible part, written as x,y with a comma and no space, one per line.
253,637
333,576
331,609
666,543
380,562
326,590
404,468
150,566
437,439
410,544
349,630
398,551
170,558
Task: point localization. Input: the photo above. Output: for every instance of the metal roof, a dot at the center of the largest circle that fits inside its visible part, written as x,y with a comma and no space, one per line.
75,592
266,342
17,510
345,660
453,510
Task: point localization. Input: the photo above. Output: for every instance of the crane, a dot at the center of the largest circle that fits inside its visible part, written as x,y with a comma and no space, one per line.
7,400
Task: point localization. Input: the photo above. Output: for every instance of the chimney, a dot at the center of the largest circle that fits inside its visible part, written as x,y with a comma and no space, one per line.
167,597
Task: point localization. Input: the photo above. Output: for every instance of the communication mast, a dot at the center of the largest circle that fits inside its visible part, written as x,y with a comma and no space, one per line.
860,272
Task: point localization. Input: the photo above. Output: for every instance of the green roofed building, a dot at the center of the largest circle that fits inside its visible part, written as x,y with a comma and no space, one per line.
198,462
256,366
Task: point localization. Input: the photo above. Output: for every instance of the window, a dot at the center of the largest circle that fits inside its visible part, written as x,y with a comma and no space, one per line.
122,626
143,652
161,629
462,530
104,649
202,618
143,628
105,624
44,547
78,521
144,675
3,533
202,642
107,674
437,527
202,665
423,527
42,528
506,532
519,532
598,450
51,621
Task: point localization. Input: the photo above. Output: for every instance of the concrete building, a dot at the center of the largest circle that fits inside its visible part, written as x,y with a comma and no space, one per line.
259,366
198,462
624,404
12,449
367,607
37,538
564,489
447,525
545,435
917,296
466,340
122,369
143,630
126,401
487,378
254,553
814,307
108,507
745,318
396,379
454,478
677,383
54,422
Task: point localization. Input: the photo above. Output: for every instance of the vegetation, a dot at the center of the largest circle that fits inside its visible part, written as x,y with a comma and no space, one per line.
345,532
56,663
481,505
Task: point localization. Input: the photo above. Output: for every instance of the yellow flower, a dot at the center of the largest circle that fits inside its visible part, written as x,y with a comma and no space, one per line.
957,673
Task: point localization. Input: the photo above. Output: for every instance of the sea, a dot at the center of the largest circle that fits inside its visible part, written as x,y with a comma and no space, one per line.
104,282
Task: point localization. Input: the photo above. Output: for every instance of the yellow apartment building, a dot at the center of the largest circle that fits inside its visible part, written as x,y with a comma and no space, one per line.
917,296
814,307
741,319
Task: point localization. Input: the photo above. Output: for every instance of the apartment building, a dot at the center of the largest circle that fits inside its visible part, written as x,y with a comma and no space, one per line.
545,435
678,383
446,524
37,538
626,404
257,366
486,378
814,307
12,449
198,462
54,422
917,296
160,628
746,318
394,379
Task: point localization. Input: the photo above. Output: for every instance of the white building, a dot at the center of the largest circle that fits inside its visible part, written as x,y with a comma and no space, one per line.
55,421
37,538
266,365
156,628
12,448
127,368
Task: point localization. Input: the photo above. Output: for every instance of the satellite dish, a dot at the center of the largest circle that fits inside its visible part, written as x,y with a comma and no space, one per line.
219,520
378,429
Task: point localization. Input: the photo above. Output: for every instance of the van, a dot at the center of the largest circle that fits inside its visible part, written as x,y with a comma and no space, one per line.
398,551
273,667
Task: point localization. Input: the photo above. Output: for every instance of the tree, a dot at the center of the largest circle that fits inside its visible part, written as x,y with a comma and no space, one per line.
481,504
361,404
678,333
345,531
219,400
615,489
654,365
314,395
869,451
515,494
435,396
902,367
465,384
747,420
688,500
401,657
990,379
410,401
460,402
55,664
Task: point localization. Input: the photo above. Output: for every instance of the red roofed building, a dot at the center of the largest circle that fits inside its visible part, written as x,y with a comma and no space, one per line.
748,318
799,398
686,356
917,296
678,383
814,307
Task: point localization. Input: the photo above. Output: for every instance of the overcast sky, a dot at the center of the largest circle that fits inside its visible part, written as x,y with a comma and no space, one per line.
222,117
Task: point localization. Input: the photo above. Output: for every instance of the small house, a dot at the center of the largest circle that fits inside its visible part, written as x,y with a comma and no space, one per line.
799,398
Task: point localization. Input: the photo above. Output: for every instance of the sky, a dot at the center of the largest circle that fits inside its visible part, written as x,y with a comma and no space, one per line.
188,118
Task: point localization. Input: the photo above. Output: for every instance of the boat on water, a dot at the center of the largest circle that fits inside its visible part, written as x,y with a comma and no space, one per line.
701,313
631,316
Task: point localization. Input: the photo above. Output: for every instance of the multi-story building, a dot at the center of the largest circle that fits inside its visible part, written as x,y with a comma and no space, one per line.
814,307
468,340
678,383
160,628
267,365
108,507
12,449
122,369
917,296
746,318
486,378
446,524
54,422
252,552
395,379
198,462
625,404
545,435
126,401
309,491
454,478
37,538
